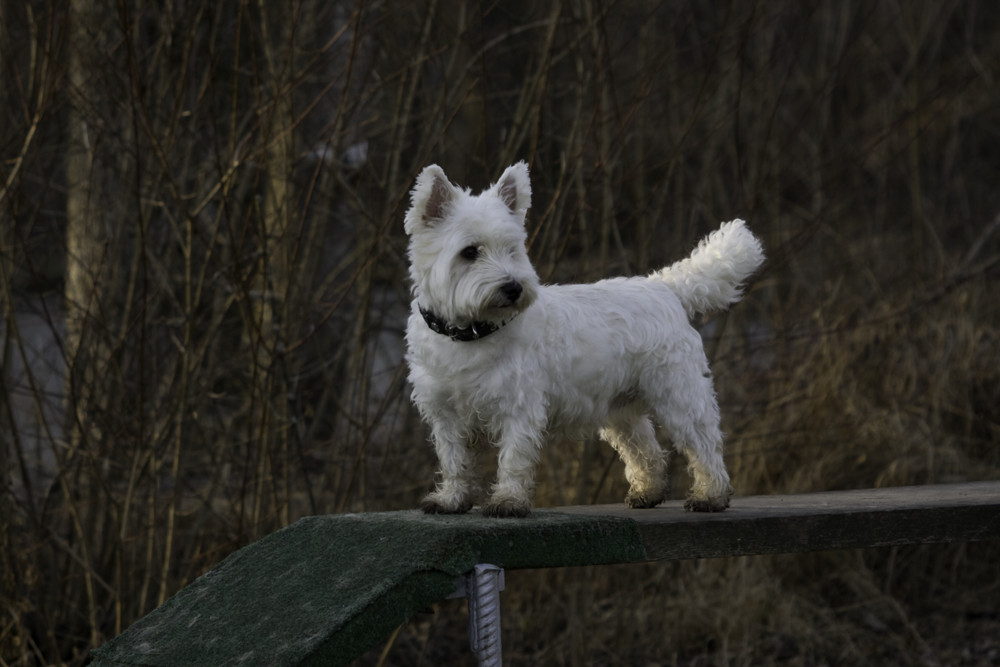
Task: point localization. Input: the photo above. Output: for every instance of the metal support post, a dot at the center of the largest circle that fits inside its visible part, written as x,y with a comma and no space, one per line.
481,587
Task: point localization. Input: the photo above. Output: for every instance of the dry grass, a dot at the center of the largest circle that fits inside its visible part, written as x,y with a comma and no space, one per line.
202,278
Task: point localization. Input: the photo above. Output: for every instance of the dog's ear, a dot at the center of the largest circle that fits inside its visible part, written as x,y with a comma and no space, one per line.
430,199
514,188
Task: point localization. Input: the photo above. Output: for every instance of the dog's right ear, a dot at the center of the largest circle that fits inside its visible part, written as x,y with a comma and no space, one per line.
430,199
514,188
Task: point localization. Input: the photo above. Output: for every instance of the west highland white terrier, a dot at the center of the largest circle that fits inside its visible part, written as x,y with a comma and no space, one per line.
497,358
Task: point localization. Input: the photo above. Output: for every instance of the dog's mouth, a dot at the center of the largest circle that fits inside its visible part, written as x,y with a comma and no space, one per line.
500,312
510,318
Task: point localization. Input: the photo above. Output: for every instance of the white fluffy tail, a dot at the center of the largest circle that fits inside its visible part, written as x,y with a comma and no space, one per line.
711,278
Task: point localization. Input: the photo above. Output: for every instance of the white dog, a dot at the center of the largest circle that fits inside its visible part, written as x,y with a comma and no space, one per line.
496,357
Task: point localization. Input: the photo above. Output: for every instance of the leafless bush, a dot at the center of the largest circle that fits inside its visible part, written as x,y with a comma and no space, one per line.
202,277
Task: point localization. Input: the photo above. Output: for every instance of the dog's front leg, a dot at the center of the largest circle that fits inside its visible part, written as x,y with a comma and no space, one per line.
456,491
511,495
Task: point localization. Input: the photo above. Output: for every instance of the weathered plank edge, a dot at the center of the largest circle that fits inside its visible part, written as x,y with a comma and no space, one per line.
818,521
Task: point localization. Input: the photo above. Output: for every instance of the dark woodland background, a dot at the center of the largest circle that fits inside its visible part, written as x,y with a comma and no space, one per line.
203,291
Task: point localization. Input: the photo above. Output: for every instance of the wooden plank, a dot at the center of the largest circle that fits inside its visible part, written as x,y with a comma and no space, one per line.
817,521
326,588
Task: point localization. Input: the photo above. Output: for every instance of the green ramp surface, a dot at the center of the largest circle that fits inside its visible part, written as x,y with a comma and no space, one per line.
328,588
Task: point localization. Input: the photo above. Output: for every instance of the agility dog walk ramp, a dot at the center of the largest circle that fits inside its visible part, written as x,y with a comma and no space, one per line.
328,588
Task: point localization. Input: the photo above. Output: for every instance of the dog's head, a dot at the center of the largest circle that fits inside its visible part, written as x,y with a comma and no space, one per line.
468,260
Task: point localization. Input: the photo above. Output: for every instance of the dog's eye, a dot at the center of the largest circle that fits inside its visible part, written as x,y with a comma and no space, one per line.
469,252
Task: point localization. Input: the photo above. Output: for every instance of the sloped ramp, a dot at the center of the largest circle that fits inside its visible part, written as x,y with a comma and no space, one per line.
327,588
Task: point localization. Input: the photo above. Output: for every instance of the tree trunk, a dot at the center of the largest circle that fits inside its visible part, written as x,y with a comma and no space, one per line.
87,226
93,217
266,334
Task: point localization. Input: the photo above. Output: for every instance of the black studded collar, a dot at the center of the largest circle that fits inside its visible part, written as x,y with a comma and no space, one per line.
474,331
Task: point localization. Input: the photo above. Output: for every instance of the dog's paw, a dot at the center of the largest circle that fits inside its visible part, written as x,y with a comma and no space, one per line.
432,504
637,500
706,504
507,508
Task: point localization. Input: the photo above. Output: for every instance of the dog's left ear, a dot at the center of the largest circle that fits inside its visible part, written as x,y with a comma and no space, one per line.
514,188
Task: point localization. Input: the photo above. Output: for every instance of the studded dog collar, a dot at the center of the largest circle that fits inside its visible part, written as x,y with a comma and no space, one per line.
474,331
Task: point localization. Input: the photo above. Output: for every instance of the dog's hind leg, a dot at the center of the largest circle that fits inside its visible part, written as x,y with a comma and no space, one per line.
456,491
633,437
690,415
711,489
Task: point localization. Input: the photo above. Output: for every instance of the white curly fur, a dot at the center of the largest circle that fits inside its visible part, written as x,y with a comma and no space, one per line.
613,357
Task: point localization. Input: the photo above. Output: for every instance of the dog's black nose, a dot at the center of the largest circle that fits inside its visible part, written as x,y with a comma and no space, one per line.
511,290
